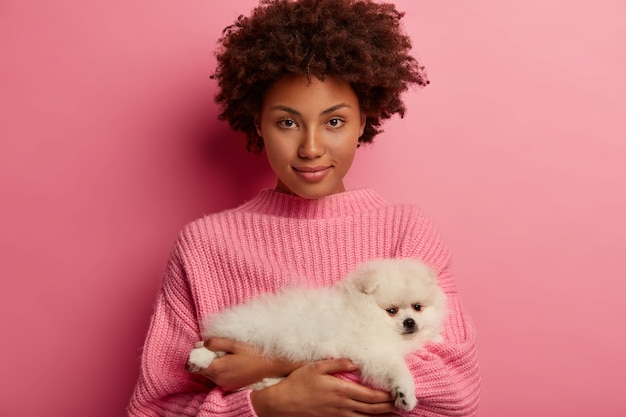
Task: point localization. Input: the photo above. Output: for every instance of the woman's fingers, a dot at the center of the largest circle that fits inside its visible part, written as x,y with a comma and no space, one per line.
220,344
334,366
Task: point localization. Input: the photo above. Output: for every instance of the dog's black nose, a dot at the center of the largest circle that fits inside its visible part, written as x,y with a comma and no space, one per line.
409,323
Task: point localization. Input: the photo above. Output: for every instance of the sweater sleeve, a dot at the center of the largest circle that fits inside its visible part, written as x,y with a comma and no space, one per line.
446,374
164,387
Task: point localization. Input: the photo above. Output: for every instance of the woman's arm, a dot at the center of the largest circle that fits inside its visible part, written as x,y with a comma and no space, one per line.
312,390
164,387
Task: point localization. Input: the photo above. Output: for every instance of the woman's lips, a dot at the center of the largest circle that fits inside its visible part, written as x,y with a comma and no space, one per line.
312,174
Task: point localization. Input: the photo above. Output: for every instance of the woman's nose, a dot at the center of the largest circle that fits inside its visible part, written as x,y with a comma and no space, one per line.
312,145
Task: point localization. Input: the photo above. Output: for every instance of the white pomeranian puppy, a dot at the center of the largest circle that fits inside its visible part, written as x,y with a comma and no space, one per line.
375,316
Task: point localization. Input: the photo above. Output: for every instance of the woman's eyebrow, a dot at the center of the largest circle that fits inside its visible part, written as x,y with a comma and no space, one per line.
285,109
295,112
335,108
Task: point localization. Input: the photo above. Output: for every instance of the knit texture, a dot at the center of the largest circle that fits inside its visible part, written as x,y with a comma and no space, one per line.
277,239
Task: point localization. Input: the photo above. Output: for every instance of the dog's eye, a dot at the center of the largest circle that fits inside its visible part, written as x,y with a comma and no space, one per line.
392,311
417,307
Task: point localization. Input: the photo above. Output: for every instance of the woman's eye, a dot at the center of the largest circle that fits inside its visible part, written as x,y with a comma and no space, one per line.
287,124
417,307
392,311
335,122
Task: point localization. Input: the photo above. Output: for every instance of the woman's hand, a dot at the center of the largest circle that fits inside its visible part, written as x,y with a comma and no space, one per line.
242,365
311,390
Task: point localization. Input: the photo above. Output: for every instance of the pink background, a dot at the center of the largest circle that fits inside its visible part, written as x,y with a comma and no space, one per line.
110,144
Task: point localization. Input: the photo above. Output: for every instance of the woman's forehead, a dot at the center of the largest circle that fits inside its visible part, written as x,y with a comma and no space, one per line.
297,93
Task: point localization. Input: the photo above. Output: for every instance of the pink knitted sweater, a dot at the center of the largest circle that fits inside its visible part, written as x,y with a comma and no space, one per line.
226,258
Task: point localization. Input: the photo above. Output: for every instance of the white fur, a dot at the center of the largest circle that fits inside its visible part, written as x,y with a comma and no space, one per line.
347,320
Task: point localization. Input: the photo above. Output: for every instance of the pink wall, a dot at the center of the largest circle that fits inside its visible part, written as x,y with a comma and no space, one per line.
109,143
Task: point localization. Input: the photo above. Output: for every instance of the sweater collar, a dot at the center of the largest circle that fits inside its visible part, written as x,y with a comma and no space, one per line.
343,204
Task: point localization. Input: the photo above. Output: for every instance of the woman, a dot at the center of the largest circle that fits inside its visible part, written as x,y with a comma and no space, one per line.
307,81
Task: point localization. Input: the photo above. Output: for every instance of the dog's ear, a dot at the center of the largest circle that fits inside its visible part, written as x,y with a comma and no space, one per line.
432,274
366,281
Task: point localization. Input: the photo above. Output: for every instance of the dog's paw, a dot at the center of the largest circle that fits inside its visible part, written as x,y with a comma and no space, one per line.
404,400
200,358
264,383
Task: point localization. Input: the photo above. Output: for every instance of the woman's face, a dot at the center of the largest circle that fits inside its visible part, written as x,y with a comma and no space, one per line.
310,131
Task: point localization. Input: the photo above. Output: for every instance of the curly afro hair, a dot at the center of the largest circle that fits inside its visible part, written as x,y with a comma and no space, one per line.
357,41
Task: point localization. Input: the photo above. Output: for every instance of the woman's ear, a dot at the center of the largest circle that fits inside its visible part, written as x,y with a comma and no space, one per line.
257,125
363,122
